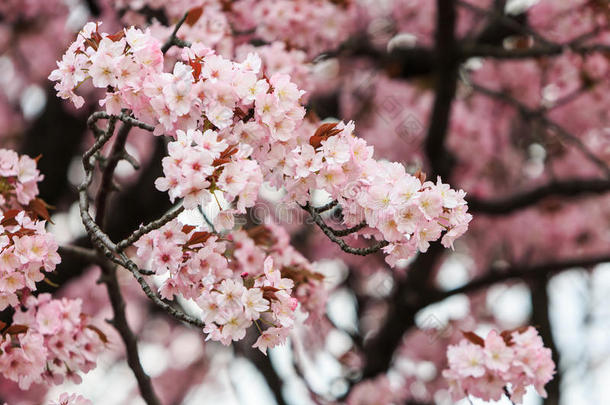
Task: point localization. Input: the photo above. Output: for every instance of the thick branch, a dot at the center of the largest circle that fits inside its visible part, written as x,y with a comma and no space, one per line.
264,366
565,188
109,276
119,322
446,84
520,272
540,318
106,187
82,253
408,298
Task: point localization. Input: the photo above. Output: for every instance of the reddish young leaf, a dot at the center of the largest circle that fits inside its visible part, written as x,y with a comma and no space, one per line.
323,132
225,156
198,237
2,325
16,329
420,175
117,37
507,334
40,208
196,65
9,217
101,334
188,228
193,15
261,235
474,338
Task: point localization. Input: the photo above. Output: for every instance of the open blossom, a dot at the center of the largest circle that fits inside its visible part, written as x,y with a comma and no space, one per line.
483,368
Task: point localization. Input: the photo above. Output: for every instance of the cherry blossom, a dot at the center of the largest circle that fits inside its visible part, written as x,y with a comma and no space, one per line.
484,368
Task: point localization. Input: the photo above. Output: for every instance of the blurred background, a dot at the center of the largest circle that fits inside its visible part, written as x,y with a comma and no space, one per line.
506,99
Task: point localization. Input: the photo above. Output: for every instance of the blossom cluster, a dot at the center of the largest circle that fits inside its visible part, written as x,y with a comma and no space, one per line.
51,341
247,277
19,179
26,250
129,63
199,164
484,368
395,205
233,123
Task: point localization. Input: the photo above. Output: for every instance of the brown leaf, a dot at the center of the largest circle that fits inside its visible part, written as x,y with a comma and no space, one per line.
225,156
117,37
261,235
196,65
474,338
16,329
507,334
99,332
420,175
49,282
323,132
9,217
2,325
40,208
187,228
193,15
198,237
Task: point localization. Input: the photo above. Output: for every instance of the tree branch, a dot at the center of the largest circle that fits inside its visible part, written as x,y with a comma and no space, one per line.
264,366
408,298
119,322
109,276
173,39
438,156
564,188
332,235
106,187
519,272
528,113
540,318
144,229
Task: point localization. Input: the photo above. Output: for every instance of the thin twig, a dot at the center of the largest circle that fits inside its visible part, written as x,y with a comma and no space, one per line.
326,207
86,254
144,229
206,219
505,20
538,115
173,39
328,231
